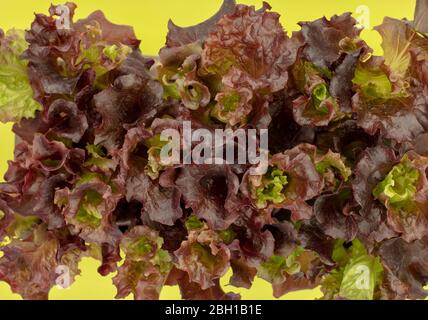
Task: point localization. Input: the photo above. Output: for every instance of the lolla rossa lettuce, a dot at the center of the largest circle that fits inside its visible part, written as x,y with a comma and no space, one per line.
344,200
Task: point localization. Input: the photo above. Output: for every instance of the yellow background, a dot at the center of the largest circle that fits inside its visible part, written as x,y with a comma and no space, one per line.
149,19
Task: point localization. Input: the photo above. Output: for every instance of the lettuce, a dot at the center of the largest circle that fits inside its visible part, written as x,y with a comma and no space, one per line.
146,265
343,203
399,186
